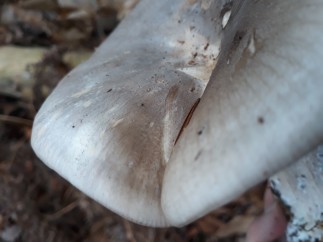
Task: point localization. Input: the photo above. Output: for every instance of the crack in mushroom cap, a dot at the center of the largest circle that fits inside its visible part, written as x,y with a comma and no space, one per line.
261,110
110,125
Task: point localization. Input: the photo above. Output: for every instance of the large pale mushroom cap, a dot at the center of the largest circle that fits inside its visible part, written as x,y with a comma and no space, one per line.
111,125
262,109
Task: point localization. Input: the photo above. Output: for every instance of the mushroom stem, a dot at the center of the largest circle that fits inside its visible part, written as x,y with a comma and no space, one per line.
299,188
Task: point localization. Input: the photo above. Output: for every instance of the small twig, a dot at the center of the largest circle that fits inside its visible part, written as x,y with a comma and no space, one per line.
63,211
16,120
99,224
15,95
129,232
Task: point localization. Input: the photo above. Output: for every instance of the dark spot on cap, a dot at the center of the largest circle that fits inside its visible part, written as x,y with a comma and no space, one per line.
109,90
237,38
261,120
206,46
200,132
142,105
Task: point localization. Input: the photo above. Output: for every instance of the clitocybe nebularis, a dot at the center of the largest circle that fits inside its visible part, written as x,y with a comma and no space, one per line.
111,125
262,109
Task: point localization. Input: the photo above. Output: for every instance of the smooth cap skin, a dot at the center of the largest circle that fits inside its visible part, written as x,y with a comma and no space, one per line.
262,109
110,125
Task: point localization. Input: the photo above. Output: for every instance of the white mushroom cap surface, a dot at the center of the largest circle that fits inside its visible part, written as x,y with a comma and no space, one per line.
262,109
110,125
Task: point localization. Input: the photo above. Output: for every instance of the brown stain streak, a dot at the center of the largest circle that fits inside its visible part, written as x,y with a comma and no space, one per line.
171,97
187,119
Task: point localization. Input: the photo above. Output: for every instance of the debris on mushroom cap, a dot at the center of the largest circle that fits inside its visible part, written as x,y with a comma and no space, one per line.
110,125
299,187
262,108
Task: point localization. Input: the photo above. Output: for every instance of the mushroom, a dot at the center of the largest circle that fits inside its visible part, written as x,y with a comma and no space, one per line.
299,188
262,108
110,125
187,105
